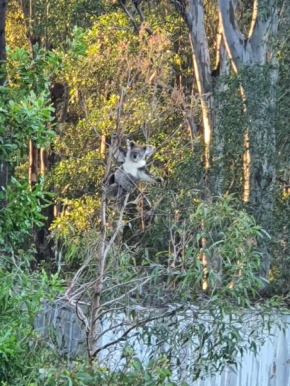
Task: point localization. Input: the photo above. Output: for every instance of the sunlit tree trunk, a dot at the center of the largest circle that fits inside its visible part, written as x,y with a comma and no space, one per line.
3,5
193,14
103,146
33,164
43,162
3,163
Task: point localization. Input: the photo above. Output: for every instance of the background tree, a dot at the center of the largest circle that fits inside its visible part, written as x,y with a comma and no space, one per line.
3,164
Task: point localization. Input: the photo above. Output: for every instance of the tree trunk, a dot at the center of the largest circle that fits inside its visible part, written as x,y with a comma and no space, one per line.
248,55
3,163
222,68
220,73
194,18
3,5
103,146
43,162
37,232
33,164
193,14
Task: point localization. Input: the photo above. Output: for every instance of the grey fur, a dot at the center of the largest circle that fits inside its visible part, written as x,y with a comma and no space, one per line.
132,170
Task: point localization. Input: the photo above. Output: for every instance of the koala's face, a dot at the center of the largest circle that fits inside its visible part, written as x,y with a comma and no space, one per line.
138,153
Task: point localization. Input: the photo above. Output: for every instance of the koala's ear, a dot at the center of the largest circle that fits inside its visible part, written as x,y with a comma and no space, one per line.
148,149
130,144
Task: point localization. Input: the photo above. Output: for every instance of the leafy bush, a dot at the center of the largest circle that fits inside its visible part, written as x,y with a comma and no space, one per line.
23,208
21,296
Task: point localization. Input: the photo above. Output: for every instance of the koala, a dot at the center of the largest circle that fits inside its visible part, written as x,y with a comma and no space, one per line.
132,170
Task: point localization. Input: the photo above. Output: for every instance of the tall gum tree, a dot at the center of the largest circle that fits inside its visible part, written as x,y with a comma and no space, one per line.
193,14
249,56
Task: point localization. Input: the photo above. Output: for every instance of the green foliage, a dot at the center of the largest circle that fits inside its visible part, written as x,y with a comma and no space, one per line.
179,244
24,120
156,372
229,237
28,70
26,114
116,59
77,44
281,241
211,245
53,24
212,321
25,104
21,297
24,207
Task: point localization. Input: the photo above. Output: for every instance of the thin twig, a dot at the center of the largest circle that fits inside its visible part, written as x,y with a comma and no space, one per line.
138,324
119,111
122,296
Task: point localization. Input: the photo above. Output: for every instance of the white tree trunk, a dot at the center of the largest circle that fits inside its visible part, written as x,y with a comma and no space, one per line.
194,17
247,55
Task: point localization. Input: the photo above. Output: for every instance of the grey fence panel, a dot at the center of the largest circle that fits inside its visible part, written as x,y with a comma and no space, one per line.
271,366
61,326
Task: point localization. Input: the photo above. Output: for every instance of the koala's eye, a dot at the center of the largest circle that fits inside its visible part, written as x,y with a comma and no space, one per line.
135,156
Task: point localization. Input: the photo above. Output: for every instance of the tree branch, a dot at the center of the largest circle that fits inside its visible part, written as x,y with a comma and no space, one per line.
260,27
234,39
122,296
142,18
222,64
65,103
136,325
254,19
133,21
